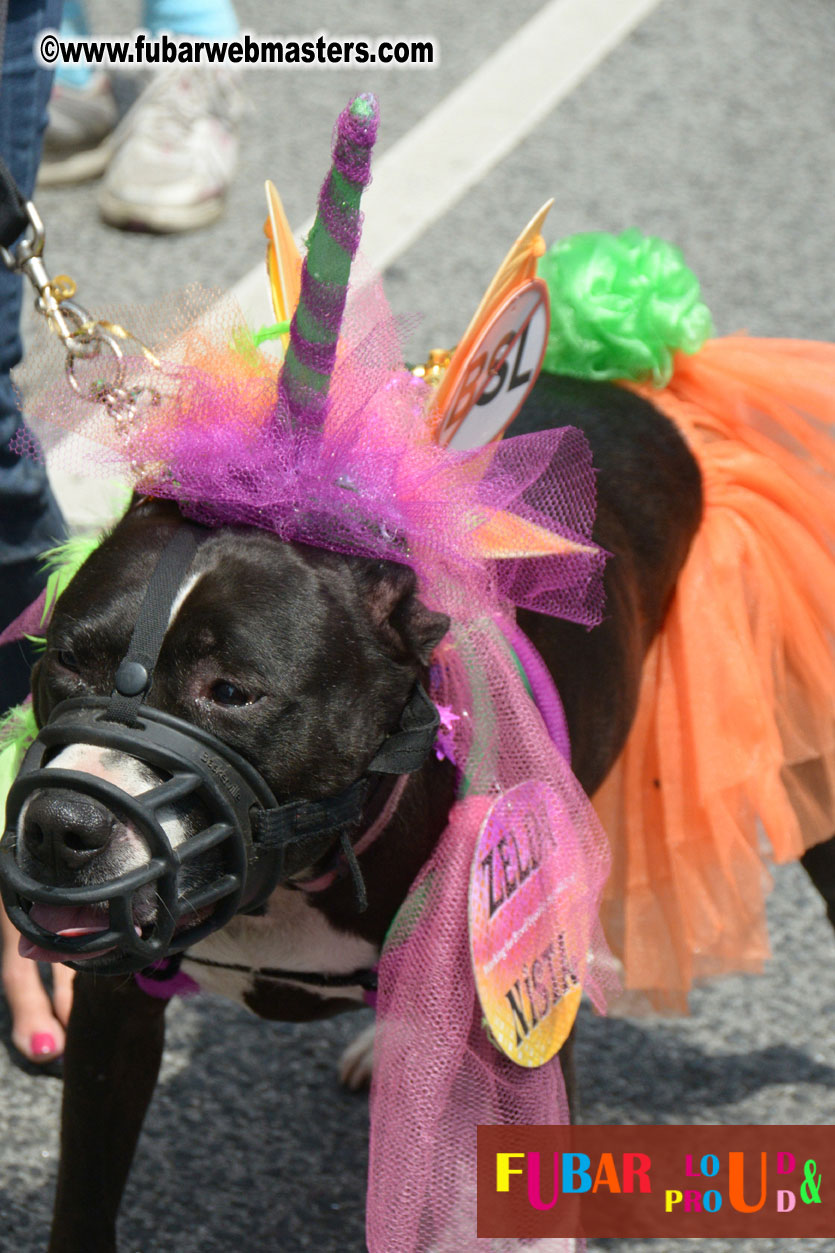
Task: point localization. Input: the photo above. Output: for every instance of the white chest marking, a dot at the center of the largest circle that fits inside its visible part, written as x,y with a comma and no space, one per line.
292,935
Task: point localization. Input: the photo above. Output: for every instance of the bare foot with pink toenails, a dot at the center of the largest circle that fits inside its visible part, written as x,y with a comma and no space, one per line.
38,1020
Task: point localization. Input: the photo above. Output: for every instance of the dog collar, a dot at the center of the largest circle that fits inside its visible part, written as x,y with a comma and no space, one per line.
166,979
337,868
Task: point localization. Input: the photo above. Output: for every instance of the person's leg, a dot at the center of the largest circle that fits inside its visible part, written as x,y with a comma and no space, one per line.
202,19
82,114
38,1025
177,148
30,520
74,26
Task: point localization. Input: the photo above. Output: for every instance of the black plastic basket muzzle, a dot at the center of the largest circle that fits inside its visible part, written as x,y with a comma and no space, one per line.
259,842
197,769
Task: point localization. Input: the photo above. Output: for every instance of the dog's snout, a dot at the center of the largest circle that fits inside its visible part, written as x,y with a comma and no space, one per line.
63,829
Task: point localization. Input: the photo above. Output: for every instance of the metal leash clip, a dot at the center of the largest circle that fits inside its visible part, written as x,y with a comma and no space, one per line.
83,336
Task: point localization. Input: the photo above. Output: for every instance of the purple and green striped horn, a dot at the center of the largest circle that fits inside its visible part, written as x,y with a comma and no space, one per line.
331,246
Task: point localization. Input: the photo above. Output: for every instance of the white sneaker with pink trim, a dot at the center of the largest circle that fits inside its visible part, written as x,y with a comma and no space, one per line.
79,137
175,152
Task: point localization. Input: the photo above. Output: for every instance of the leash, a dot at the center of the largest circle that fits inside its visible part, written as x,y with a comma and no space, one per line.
22,239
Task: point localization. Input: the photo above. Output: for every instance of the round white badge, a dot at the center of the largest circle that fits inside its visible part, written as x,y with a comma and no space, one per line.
531,910
500,369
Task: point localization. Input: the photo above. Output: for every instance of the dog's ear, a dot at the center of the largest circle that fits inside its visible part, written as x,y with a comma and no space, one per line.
408,627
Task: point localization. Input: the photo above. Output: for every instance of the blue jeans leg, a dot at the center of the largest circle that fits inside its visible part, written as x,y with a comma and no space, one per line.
30,520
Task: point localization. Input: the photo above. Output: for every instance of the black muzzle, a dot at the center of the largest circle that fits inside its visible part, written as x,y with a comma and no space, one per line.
252,843
198,772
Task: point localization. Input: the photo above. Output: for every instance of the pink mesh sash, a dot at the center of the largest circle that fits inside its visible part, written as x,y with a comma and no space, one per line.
437,1075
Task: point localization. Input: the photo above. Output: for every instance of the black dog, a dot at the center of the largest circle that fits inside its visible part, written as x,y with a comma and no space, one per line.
302,661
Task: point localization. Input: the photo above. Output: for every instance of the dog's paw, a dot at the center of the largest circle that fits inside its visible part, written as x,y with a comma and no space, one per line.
355,1062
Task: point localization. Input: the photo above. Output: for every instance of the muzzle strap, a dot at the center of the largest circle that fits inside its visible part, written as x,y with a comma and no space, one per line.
300,832
136,670
406,749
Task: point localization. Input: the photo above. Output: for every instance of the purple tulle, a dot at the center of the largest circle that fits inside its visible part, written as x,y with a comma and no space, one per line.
367,478
29,622
544,693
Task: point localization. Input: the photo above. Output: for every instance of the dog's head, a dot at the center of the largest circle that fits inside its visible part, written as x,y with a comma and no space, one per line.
299,660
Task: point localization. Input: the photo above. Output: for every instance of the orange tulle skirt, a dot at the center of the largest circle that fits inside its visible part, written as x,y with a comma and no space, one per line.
731,760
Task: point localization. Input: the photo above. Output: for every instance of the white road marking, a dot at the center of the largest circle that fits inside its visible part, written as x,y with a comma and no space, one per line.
455,145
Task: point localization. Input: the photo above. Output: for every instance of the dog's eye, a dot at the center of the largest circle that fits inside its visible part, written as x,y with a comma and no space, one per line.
67,660
225,693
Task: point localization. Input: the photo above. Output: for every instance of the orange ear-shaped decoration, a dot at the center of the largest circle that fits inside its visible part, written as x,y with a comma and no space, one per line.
508,536
499,357
284,261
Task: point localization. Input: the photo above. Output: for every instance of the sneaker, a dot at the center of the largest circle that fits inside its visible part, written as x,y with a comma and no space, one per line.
175,152
77,143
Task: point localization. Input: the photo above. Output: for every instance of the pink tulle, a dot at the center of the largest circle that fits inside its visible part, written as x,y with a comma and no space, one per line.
437,1075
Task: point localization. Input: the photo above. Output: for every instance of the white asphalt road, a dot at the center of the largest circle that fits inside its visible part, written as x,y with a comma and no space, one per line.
709,123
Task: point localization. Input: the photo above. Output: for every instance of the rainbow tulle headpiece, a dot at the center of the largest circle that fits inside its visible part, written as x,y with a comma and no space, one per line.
340,454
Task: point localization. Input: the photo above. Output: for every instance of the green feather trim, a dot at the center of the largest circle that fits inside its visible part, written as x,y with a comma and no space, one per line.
18,729
621,307
64,562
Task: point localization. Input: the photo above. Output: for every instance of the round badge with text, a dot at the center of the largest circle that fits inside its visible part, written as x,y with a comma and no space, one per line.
499,370
530,918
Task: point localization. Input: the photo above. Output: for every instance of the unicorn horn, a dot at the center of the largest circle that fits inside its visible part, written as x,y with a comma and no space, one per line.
331,246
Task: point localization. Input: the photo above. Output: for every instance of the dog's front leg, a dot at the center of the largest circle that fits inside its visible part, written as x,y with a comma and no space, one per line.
113,1051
